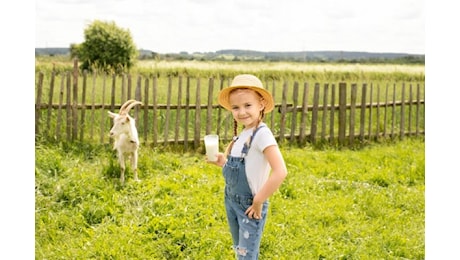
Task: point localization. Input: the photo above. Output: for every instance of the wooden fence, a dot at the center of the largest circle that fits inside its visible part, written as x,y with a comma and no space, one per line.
180,110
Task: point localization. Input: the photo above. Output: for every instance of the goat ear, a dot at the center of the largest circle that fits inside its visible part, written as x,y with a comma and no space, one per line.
111,114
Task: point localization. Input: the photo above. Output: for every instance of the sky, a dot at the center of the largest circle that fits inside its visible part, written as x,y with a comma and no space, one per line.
172,26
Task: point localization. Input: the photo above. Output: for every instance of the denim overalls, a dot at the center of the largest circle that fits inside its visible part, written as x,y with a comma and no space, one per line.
246,232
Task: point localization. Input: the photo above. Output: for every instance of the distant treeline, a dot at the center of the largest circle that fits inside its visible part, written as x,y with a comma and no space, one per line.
249,55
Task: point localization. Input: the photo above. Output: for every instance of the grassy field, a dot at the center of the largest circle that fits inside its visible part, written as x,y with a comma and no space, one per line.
335,204
253,66
366,203
278,70
283,66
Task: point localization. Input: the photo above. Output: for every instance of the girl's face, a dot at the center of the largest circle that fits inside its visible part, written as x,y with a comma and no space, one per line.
246,106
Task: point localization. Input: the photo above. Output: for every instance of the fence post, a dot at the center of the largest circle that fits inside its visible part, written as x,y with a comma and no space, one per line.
377,113
59,114
50,103
178,110
219,111
409,122
75,101
154,116
332,116
168,111
342,111
123,87
68,108
272,115
369,124
314,114
283,112
138,95
324,116
393,110
187,112
103,113
146,109
351,131
197,115
385,113
363,112
112,98
38,102
209,109
83,106
130,86
417,109
93,104
295,95
303,117
403,111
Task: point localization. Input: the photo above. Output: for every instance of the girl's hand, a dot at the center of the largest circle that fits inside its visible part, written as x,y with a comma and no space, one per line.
221,160
254,211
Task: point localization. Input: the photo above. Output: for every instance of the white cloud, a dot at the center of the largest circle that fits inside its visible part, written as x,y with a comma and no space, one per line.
209,25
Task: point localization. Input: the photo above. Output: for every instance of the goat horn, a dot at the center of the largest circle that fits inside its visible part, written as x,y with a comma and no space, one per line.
131,104
123,107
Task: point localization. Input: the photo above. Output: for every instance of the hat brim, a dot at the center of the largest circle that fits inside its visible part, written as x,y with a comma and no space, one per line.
224,95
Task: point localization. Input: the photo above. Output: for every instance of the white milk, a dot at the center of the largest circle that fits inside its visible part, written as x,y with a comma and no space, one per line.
211,143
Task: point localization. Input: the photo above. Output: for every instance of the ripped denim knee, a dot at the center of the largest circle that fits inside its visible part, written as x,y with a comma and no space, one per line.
240,252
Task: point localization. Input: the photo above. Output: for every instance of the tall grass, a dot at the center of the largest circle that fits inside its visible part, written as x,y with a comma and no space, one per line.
335,204
319,72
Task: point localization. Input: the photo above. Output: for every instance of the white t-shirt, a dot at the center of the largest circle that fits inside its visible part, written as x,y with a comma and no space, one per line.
257,166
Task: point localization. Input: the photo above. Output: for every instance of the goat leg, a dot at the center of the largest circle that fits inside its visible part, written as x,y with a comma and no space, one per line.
121,159
134,165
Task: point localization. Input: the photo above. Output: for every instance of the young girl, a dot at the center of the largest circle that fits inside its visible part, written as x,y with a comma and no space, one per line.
247,163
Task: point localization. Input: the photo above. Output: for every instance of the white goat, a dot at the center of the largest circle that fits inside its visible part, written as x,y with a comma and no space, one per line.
126,140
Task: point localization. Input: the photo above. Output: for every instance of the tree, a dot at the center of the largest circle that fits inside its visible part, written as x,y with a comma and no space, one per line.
106,47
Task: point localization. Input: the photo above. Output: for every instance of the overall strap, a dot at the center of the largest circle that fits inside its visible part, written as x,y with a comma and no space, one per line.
247,145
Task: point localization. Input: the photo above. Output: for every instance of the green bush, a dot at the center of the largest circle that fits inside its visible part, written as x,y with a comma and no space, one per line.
106,47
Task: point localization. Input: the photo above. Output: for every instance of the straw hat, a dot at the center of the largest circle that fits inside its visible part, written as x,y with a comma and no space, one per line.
246,81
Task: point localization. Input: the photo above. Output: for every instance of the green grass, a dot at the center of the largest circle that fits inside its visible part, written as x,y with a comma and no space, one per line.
335,204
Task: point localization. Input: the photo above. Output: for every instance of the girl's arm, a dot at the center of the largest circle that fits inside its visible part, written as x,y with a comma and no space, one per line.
277,176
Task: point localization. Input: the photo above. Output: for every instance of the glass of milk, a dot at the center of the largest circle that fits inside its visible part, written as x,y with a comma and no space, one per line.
211,143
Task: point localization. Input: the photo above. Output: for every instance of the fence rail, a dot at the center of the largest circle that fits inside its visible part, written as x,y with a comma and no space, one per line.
180,110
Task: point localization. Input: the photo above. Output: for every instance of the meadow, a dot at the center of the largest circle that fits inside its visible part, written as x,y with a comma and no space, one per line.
334,204
281,69
366,202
